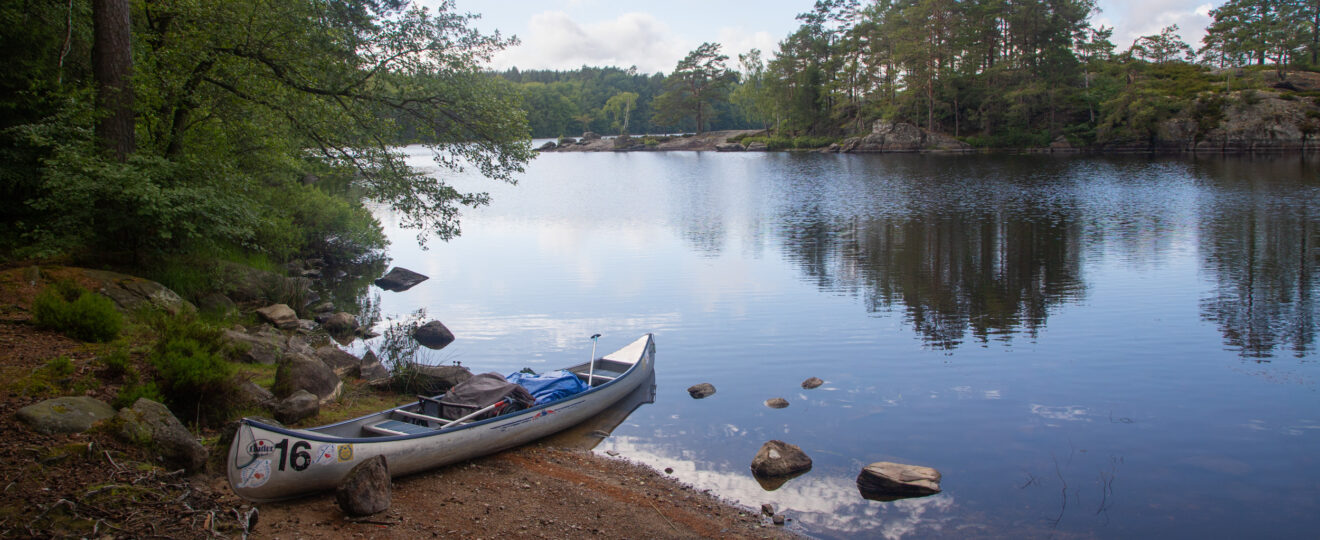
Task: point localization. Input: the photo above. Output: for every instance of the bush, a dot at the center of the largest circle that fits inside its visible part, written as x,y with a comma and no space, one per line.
192,372
77,313
129,394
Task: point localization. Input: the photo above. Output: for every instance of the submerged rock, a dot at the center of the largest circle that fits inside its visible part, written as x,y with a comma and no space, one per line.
433,335
887,481
400,279
65,414
339,323
703,390
811,383
778,458
366,489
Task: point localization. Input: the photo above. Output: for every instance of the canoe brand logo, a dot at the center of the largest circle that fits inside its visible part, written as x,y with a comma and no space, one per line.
345,452
260,447
256,474
325,454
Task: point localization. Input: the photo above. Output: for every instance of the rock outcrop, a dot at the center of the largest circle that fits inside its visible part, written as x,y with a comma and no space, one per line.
900,137
130,293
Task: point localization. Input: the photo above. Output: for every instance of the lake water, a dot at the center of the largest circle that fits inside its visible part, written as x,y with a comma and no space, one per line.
1084,346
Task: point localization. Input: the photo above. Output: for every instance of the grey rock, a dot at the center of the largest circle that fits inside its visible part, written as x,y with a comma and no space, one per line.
590,136
302,404
302,372
152,425
778,458
343,364
757,146
70,414
778,519
776,403
252,393
702,390
433,335
280,315
130,293
340,323
214,302
400,279
366,489
729,147
264,346
549,145
887,481
768,509
813,382
901,137
323,307
371,369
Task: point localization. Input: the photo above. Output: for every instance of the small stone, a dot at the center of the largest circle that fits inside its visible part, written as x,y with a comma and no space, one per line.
669,470
768,509
776,403
811,383
612,453
703,390
778,519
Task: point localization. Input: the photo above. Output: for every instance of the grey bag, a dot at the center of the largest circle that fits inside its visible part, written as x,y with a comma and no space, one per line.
481,391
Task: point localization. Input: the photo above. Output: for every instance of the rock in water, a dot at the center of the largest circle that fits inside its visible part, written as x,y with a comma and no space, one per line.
152,425
400,279
811,383
340,323
433,335
778,458
776,403
886,481
280,315
65,414
703,390
366,489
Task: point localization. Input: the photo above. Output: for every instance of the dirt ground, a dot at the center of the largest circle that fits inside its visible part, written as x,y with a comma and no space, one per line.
92,485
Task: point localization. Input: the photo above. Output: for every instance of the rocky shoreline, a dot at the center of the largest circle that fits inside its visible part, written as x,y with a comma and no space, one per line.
140,472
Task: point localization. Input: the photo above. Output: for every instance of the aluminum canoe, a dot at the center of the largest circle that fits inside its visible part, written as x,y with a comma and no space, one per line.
269,463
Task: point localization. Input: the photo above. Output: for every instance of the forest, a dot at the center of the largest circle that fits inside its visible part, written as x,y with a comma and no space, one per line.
991,72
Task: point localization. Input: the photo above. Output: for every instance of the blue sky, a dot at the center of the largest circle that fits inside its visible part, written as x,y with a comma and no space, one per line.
654,35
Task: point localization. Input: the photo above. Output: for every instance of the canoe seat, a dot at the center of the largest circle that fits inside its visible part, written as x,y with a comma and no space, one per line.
395,427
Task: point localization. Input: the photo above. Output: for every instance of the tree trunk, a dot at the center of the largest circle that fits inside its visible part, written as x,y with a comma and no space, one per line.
112,66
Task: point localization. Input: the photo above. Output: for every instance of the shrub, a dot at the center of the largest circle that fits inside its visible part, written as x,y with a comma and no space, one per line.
117,365
129,394
77,313
192,372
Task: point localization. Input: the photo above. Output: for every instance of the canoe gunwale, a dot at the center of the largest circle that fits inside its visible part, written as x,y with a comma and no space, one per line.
311,435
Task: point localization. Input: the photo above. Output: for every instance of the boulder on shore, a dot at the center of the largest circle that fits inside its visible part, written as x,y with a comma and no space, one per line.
400,279
702,390
152,425
366,489
302,404
70,414
344,364
280,315
431,380
299,371
887,481
433,335
778,458
339,323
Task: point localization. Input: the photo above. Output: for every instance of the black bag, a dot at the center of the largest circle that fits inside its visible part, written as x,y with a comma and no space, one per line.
481,391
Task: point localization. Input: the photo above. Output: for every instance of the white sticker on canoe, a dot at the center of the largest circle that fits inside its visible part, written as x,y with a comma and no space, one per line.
325,455
256,474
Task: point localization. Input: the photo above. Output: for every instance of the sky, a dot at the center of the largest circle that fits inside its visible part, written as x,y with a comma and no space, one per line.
654,35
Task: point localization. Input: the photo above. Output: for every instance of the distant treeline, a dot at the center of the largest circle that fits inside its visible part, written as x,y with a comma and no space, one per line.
991,72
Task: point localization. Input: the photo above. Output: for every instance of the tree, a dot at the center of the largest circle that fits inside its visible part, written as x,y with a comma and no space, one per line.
1163,48
112,64
752,95
621,105
697,83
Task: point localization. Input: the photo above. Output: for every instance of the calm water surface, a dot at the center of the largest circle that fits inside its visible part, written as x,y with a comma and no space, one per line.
1084,347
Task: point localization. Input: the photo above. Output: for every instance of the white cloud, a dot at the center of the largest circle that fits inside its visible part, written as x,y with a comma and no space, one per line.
738,40
555,41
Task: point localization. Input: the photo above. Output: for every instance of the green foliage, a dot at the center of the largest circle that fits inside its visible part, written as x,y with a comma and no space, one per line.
117,364
66,308
129,394
192,371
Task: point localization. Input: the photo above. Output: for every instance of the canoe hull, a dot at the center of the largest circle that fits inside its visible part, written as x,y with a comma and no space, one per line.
269,463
